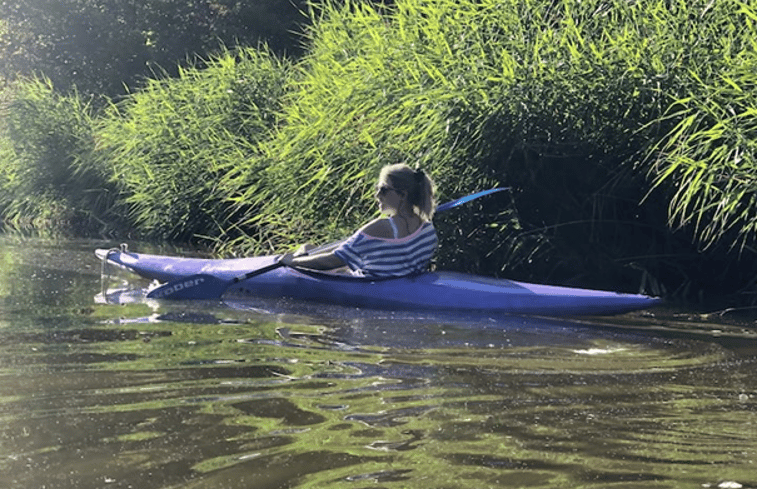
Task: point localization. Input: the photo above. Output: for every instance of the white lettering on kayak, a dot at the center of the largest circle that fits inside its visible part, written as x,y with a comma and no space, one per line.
187,284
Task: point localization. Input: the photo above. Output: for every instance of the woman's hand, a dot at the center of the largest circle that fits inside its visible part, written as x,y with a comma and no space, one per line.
287,259
304,250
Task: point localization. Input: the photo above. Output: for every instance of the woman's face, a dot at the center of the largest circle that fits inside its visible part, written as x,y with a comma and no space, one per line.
388,197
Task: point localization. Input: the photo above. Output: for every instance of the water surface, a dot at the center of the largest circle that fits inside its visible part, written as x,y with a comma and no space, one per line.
281,394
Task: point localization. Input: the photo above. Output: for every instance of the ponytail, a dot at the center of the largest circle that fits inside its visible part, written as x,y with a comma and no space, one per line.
424,194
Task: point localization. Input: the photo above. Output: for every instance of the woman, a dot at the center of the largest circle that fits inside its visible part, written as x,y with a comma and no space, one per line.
398,245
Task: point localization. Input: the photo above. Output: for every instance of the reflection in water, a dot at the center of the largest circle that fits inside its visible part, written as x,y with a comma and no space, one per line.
270,395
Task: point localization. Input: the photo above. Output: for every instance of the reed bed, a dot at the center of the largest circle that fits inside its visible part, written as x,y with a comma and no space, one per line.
171,143
626,129
46,182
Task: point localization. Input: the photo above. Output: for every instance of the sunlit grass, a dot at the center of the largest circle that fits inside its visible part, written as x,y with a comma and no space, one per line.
583,107
171,143
707,161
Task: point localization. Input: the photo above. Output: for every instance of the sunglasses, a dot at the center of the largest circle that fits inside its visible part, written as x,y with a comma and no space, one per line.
385,189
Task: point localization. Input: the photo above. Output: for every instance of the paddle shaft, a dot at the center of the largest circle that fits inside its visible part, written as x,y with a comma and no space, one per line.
257,272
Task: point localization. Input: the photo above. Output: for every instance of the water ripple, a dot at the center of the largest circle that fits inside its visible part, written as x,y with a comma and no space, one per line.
201,395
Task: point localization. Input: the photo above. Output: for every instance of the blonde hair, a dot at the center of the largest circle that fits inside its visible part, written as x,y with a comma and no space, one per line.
416,184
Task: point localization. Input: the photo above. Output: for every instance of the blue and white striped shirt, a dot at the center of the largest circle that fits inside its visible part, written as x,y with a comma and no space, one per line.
369,256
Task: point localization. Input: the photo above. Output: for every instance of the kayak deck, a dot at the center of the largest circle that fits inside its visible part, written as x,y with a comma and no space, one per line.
439,291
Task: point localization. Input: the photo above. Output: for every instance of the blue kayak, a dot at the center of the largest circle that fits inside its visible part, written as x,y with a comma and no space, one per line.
432,291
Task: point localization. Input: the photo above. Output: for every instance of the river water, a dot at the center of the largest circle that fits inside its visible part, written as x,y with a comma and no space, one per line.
281,395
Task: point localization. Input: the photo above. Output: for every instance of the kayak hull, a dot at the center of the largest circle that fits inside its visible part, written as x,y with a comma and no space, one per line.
433,291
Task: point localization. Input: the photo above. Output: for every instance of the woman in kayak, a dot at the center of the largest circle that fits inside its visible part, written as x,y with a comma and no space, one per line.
401,244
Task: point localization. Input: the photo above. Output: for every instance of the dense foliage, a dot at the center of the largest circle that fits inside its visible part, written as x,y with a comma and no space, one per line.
170,144
99,46
46,180
626,130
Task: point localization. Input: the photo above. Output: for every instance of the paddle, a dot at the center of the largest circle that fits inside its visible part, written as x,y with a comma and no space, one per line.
462,200
206,286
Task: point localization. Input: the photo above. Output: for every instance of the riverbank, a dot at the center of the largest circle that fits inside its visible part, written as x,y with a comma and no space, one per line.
626,132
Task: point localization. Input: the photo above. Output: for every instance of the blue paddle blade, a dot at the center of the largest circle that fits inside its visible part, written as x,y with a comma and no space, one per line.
468,198
199,287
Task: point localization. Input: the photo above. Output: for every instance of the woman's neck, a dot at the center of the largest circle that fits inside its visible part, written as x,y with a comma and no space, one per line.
405,212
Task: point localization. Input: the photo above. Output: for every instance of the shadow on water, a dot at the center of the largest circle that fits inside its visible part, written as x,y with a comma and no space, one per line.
281,394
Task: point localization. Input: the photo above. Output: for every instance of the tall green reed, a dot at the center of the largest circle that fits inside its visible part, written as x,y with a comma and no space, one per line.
707,162
171,143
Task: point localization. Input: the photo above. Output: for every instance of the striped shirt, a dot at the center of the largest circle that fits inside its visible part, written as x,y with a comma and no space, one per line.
373,257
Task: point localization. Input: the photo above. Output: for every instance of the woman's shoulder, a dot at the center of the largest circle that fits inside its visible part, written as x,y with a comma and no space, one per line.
378,228
382,228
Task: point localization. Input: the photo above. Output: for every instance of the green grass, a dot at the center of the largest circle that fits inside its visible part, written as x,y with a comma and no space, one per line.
626,129
171,144
47,182
706,162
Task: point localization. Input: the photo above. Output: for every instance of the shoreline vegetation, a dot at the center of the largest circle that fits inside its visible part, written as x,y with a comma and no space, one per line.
627,131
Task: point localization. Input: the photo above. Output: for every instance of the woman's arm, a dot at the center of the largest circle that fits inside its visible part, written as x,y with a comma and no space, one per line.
325,259
308,249
319,261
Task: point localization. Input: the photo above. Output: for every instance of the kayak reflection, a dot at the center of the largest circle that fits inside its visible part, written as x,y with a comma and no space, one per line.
350,327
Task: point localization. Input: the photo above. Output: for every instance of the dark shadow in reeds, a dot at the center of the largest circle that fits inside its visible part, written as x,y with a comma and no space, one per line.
48,181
